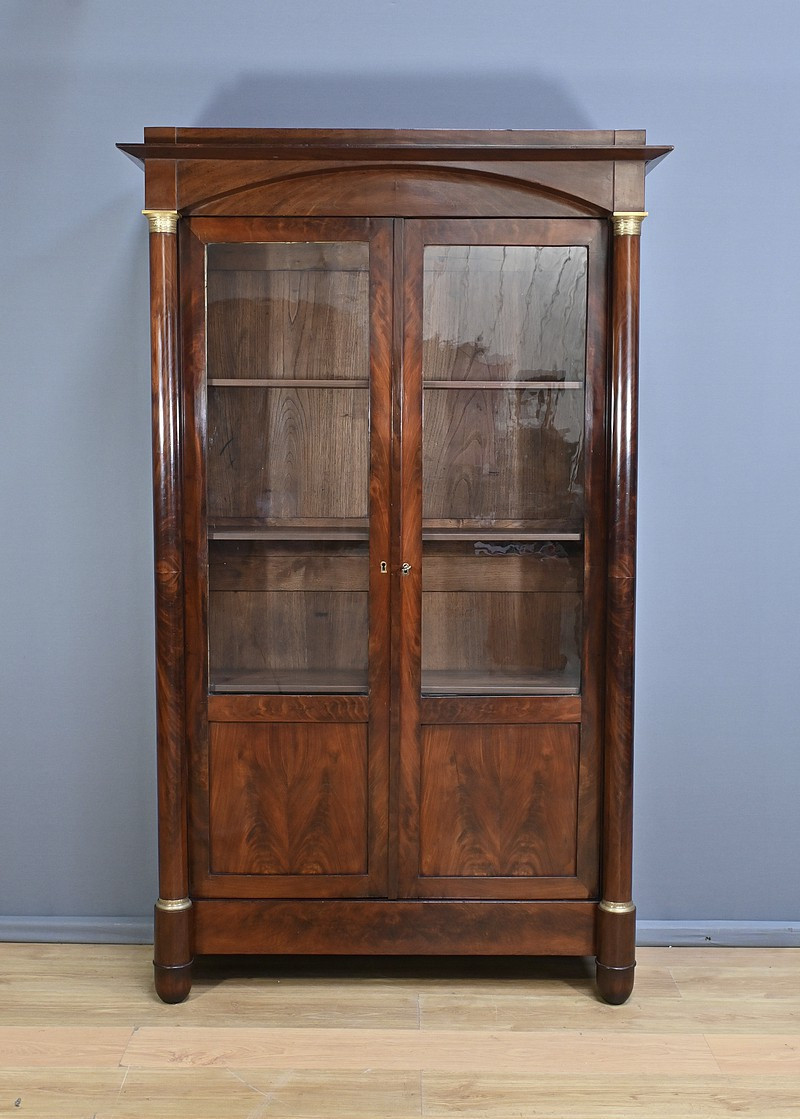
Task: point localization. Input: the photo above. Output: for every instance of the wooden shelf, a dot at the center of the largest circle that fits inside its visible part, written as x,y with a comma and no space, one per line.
287,383
476,534
307,529
288,682
503,384
442,530
233,528
443,683
299,682
363,383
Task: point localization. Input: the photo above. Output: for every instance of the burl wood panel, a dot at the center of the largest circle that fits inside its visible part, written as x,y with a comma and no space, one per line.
503,709
288,799
279,311
289,709
499,801
288,452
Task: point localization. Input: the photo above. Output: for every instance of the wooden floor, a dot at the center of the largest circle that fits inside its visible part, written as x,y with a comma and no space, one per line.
708,1032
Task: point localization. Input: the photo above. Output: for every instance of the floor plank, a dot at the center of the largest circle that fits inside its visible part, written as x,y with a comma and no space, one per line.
63,1046
726,958
41,1003
631,1097
57,1093
500,1011
563,1051
778,983
217,1093
752,1055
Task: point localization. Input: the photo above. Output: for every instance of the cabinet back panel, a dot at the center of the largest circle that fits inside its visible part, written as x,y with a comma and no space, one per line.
519,633
288,453
282,312
499,801
466,566
288,799
253,565
266,635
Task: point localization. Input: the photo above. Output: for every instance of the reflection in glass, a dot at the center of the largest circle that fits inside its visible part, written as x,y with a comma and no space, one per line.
504,312
504,341
287,466
496,454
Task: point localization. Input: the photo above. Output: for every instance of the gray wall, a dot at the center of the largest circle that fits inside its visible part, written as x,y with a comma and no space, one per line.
718,764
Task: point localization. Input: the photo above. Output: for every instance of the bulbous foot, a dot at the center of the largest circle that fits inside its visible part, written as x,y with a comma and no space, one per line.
172,949
614,983
173,984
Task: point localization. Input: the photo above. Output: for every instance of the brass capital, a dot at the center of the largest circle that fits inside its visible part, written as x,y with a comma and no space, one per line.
628,223
174,906
617,906
162,221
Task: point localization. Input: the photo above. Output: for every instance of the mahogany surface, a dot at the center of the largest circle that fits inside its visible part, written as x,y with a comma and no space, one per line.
397,927
621,570
513,808
168,566
310,143
353,758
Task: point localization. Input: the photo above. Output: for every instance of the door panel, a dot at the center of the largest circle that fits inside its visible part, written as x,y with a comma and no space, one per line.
288,394
512,797
288,799
503,371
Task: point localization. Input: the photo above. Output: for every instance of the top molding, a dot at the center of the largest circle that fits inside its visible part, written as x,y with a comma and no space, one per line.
412,144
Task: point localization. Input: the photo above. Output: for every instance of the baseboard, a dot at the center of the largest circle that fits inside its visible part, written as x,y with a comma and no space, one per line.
718,934
78,930
139,930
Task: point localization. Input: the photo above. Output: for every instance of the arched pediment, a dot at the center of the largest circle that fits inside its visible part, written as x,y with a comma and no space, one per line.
393,190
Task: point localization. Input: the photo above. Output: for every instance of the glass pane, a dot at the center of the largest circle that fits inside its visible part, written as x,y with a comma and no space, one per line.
504,341
287,466
283,614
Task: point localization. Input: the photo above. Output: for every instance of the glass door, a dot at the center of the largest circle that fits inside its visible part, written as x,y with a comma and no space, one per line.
496,387
287,462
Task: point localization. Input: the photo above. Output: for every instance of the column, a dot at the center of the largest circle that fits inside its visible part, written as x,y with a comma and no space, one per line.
616,916
172,955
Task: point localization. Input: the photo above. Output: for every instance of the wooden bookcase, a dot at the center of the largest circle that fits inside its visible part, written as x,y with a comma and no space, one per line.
394,417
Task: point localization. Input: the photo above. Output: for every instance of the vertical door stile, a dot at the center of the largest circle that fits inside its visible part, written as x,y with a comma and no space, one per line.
410,586
393,557
595,530
195,555
381,342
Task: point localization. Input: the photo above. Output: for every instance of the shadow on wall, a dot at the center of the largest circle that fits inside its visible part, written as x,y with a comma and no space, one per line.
402,100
